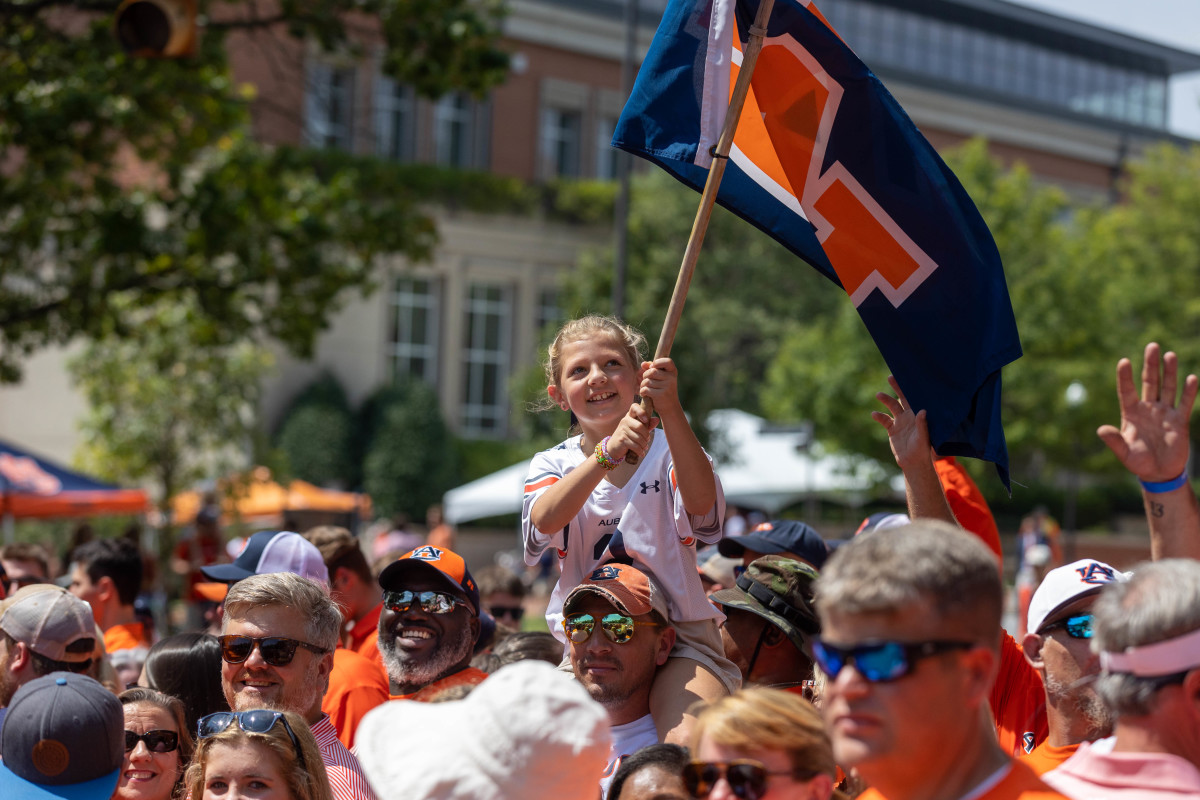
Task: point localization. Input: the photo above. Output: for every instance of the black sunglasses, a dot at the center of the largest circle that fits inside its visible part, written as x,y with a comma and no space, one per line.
879,662
276,650
1077,626
747,779
430,602
259,720
510,612
156,741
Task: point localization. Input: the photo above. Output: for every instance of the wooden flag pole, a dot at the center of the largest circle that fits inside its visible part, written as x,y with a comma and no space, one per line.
716,172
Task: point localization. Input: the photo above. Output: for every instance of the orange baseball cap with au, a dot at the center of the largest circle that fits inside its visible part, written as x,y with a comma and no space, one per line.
629,589
426,560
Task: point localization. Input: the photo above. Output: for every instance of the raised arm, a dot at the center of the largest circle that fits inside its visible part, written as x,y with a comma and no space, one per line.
908,436
1152,443
697,485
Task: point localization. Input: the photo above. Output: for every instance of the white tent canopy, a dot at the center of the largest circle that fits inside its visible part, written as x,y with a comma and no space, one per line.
759,468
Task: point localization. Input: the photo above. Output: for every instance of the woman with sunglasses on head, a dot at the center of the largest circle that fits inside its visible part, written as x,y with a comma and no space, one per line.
157,746
259,754
761,744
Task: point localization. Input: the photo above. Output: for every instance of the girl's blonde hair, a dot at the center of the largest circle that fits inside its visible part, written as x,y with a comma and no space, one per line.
307,782
760,718
628,338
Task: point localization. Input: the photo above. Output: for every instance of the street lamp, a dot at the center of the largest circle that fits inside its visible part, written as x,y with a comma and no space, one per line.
1076,396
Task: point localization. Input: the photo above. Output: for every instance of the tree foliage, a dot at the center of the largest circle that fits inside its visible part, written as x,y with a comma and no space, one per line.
162,409
317,435
410,459
131,182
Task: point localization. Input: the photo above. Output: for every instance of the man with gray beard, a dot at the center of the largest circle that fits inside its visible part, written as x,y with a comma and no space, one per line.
1058,646
429,623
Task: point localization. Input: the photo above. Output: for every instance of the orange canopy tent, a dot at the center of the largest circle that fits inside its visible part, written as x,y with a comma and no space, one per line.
258,498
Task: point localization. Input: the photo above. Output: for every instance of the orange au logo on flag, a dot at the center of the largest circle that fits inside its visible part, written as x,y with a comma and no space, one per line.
825,161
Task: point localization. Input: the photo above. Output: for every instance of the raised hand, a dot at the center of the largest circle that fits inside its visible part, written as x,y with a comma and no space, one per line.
1152,441
908,434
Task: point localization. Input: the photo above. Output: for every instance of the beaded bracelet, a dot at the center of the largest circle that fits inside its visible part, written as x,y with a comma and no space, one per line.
602,456
1165,486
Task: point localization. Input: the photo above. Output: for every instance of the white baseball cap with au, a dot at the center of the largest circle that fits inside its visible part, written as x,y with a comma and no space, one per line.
1064,585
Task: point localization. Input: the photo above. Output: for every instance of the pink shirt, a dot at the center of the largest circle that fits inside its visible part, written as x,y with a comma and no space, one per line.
346,777
1095,773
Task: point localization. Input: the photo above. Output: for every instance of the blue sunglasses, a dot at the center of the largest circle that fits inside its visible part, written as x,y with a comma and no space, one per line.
1077,626
879,662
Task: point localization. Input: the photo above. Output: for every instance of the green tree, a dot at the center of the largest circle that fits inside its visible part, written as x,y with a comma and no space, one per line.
162,409
253,240
410,459
317,435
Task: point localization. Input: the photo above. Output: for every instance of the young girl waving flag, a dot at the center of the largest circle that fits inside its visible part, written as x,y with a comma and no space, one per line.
586,499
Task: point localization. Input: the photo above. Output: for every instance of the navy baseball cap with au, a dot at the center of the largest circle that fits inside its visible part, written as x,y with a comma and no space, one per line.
63,739
776,537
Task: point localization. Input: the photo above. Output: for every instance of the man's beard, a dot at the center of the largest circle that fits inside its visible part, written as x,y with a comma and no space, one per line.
1081,701
403,671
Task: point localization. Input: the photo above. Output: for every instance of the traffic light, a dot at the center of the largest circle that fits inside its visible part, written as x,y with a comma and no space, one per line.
157,28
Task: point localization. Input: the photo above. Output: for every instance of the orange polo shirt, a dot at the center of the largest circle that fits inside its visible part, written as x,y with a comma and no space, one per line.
356,685
364,635
967,503
1045,758
129,636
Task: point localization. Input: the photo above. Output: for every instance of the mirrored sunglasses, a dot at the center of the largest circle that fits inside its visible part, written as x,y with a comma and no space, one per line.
276,650
618,628
259,720
156,741
747,779
430,602
879,662
1077,626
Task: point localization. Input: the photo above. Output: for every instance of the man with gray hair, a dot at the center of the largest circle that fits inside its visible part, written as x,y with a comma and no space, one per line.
1147,632
910,642
277,642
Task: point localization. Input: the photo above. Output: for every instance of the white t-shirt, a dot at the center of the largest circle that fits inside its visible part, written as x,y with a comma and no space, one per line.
642,523
627,739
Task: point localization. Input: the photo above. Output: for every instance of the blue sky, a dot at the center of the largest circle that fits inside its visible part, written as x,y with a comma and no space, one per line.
1172,22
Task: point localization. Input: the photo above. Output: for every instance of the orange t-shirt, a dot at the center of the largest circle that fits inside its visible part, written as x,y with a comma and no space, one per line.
1018,784
466,676
1018,701
1046,757
364,636
356,685
967,503
129,636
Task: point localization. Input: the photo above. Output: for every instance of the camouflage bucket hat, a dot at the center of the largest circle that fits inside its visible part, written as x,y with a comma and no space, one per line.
779,590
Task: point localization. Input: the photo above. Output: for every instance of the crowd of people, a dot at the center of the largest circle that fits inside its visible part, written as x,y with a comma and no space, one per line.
680,661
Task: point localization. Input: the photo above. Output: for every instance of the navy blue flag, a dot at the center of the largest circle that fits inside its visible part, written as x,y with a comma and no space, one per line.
826,162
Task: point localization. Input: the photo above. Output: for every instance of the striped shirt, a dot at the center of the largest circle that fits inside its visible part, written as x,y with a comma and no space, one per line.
346,777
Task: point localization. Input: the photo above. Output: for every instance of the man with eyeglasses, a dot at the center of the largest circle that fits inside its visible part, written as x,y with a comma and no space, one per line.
278,637
1147,632
910,645
619,634
429,623
43,629
23,564
1058,646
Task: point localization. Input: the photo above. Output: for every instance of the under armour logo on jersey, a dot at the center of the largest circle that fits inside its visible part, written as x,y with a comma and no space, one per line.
605,573
1096,573
1027,741
648,486
426,553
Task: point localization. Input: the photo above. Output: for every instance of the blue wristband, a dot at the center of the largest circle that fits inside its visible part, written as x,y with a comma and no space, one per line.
1165,486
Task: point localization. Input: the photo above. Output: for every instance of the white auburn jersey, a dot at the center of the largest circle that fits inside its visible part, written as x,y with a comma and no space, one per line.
642,523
